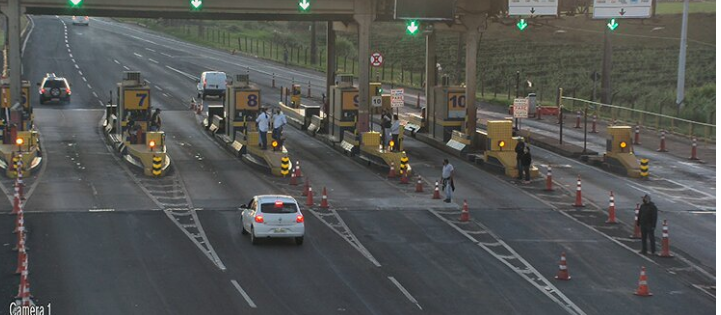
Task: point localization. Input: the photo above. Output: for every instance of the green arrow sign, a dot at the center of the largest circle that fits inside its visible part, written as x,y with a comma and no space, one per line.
522,24
76,3
196,5
612,24
304,5
412,27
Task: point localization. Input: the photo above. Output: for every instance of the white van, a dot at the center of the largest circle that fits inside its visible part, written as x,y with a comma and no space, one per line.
212,83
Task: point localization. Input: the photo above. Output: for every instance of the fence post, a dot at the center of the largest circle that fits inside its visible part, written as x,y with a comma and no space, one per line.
239,43
297,57
383,72
246,43
306,55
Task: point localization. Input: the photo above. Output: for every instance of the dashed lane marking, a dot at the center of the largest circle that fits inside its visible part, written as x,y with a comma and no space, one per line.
95,94
158,88
149,49
72,59
166,55
187,75
76,66
90,87
84,79
126,68
71,56
405,292
101,210
80,73
243,293
152,60
166,95
116,61
138,55
101,102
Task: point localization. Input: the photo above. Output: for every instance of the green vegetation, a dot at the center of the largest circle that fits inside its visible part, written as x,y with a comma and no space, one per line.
550,53
693,7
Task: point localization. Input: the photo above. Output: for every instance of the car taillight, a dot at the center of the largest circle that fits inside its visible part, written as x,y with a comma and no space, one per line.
259,219
42,91
299,218
67,90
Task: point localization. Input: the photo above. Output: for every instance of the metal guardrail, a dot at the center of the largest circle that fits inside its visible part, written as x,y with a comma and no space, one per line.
675,125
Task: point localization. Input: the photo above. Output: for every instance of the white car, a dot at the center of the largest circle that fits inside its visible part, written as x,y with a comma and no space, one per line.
81,20
272,216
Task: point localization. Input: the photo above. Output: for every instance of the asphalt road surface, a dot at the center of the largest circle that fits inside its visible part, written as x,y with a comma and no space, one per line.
104,241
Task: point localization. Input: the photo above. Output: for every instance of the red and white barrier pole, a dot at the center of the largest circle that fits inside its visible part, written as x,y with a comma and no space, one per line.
637,135
693,151
662,146
593,125
578,120
549,179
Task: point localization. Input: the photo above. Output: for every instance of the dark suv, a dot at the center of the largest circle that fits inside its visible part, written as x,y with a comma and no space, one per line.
54,88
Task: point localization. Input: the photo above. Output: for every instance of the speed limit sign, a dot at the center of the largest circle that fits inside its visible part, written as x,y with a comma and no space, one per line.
377,101
376,59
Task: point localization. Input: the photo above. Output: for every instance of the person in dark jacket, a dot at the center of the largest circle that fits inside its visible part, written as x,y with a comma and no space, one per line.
526,164
647,217
519,153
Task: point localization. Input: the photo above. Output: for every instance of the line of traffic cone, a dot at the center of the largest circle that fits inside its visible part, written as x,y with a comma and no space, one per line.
436,192
579,197
662,146
324,200
298,173
693,151
563,269
665,250
309,200
24,288
392,171
636,227
20,223
20,184
642,289
419,185
293,179
16,204
465,214
549,179
611,210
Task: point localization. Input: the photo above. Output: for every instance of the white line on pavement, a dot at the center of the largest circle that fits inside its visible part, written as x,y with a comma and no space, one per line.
166,95
101,210
116,61
166,55
95,94
149,49
152,60
67,45
80,73
84,79
405,292
158,88
101,103
188,75
90,87
126,68
72,59
71,56
76,66
138,55
242,292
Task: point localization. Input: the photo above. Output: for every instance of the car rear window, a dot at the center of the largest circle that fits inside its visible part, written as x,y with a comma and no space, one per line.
54,84
278,208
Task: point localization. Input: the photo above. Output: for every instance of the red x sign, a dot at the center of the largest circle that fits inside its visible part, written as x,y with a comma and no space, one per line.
376,59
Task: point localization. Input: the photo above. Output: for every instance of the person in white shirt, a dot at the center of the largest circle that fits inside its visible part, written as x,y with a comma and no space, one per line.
263,120
447,180
395,131
278,122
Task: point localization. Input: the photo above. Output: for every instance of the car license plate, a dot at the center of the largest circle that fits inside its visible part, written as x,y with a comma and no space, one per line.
280,230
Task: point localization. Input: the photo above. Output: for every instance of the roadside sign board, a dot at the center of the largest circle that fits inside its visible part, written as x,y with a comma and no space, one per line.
397,98
606,9
136,99
533,7
520,108
247,100
377,101
456,104
376,59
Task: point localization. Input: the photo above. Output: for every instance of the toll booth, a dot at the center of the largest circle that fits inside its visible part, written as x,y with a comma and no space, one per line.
619,155
20,142
447,110
500,149
343,112
138,144
241,107
295,96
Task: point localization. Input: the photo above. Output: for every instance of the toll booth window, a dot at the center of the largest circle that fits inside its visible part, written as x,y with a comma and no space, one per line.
278,207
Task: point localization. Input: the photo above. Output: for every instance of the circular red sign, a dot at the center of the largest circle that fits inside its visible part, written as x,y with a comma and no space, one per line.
376,59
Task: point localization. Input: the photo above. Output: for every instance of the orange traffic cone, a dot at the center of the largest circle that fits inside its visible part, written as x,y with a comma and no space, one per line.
662,145
436,192
419,185
24,288
306,188
392,171
549,179
404,177
643,284
324,200
19,223
21,254
611,210
563,269
16,204
579,198
297,170
199,108
293,180
309,200
665,251
636,228
21,185
465,215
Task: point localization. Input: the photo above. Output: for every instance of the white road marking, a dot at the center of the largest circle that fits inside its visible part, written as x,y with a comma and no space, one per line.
166,95
76,66
126,68
152,60
67,45
166,55
147,81
73,60
101,103
158,88
116,61
143,39
187,75
90,87
95,94
32,27
138,55
405,292
80,73
71,55
66,39
101,210
148,49
84,79
242,292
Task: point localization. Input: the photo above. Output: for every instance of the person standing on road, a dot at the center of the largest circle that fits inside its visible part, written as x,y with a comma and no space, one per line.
155,121
395,132
263,120
519,153
526,164
278,122
647,217
447,180
385,128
